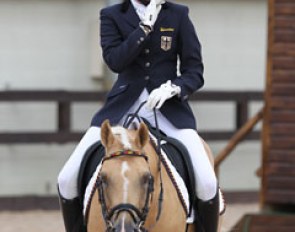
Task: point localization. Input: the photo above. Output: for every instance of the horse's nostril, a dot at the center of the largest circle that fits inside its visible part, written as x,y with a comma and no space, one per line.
123,226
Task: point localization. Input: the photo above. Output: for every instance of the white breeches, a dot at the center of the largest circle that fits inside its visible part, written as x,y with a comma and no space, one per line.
68,177
206,183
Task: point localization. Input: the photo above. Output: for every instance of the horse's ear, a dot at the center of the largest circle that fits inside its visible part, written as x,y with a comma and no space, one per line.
143,135
107,137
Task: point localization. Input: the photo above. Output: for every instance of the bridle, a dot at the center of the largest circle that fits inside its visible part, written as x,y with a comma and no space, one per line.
138,215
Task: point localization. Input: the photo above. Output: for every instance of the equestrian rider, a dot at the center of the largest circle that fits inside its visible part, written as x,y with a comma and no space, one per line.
142,41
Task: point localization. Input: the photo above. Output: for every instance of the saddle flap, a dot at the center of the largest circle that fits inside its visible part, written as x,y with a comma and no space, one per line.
91,160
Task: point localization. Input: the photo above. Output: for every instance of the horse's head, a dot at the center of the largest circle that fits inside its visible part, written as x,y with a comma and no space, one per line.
125,183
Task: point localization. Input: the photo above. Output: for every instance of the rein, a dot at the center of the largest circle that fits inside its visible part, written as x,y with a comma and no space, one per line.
138,215
129,119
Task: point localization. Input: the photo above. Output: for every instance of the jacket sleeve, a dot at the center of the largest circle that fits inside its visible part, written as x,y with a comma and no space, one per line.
117,52
191,64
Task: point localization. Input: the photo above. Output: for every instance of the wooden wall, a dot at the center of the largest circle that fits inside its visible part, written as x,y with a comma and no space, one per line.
278,184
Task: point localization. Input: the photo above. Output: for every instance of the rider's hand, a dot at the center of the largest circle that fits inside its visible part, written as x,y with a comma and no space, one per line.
160,95
152,12
158,2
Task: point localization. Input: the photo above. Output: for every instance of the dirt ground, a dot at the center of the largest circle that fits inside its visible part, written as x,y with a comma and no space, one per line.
51,221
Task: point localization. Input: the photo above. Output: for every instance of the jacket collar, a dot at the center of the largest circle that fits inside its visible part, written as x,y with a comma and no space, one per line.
131,16
127,3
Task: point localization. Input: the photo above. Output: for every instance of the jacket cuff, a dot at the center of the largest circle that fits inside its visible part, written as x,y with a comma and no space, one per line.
183,95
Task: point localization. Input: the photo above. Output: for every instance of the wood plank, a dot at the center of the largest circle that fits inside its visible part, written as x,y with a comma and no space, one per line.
270,227
95,96
287,116
40,137
283,49
282,129
280,197
284,62
281,142
285,8
283,76
280,2
69,137
282,103
265,223
284,35
279,88
284,22
64,117
281,156
267,229
281,169
51,96
281,182
275,220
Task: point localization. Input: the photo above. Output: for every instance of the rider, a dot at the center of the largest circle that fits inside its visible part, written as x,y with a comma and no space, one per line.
142,41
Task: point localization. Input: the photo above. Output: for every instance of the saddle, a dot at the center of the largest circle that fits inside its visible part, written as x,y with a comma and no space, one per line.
175,150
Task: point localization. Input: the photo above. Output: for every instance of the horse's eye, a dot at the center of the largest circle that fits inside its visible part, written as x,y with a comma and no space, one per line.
104,178
146,178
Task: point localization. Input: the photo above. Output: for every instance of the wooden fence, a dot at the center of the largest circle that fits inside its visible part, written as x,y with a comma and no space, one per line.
65,99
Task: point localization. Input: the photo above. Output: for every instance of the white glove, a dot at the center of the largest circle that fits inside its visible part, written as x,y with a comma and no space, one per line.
158,2
152,12
160,95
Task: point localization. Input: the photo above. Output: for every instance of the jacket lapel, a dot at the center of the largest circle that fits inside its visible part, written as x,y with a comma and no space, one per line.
131,16
162,15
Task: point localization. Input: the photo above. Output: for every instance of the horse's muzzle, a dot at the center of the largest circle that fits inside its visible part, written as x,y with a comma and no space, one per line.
125,226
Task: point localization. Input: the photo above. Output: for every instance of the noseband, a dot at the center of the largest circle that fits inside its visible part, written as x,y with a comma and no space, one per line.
138,215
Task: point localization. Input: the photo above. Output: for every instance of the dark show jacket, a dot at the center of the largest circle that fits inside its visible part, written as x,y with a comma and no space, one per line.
149,61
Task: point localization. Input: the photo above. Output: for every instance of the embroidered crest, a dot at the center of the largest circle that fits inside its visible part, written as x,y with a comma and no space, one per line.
166,42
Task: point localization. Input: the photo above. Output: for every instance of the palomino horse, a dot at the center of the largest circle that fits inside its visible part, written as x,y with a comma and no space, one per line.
127,196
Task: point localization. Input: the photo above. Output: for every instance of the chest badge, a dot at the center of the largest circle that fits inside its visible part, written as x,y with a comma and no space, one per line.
164,29
166,42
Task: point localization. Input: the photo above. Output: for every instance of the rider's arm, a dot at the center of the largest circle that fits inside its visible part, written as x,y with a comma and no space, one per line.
117,52
191,64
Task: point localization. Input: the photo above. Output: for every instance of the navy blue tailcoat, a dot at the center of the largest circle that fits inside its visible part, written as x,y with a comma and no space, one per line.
148,61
